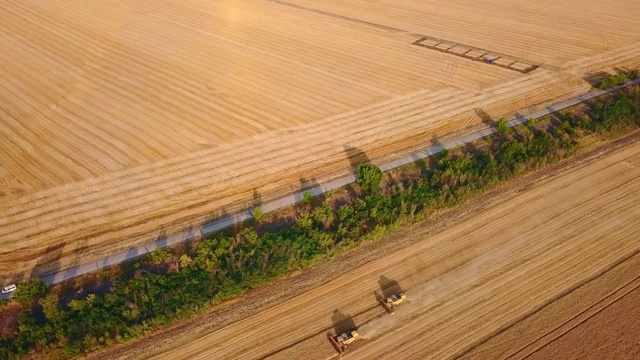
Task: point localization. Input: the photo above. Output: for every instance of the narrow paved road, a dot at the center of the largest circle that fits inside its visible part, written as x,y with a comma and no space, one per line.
297,197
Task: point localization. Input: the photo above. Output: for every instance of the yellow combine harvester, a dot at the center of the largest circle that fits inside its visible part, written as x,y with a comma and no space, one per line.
341,341
392,301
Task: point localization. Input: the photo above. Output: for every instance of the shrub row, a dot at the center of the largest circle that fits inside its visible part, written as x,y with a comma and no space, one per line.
227,265
618,79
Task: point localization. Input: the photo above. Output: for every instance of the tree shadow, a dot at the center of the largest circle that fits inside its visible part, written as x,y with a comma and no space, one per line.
356,157
49,264
96,285
595,78
423,164
485,117
436,143
520,116
620,71
342,322
72,272
161,240
388,286
555,120
191,245
312,186
470,149
207,229
256,200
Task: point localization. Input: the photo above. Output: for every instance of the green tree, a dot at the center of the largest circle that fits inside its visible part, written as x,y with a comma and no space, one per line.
324,214
213,253
159,255
306,198
502,128
258,213
305,222
185,261
369,177
51,308
30,290
531,123
612,81
54,314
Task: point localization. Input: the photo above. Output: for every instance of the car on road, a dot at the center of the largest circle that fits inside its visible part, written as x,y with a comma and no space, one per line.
9,288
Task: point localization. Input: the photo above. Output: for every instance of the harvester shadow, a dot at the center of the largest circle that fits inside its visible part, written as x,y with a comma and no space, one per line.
388,286
342,322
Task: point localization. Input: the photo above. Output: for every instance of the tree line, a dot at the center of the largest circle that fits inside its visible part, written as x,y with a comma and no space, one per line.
228,264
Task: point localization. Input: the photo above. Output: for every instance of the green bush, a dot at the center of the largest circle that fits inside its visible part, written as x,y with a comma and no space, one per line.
159,255
369,177
612,81
307,197
258,213
612,114
29,291
185,261
502,127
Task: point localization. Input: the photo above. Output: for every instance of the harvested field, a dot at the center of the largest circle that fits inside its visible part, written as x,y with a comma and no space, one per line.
538,263
610,334
596,321
532,30
124,119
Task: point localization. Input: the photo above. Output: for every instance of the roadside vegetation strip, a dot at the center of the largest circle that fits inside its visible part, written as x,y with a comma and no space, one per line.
171,286
296,198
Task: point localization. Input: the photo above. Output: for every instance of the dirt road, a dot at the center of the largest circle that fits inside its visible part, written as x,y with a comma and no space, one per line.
465,283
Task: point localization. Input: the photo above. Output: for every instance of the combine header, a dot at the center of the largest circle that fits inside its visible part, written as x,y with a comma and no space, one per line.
392,301
341,341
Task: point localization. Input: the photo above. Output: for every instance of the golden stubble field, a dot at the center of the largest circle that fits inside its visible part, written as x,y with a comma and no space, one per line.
527,277
122,119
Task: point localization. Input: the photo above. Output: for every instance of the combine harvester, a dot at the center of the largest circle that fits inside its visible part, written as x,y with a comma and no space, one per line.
341,341
392,301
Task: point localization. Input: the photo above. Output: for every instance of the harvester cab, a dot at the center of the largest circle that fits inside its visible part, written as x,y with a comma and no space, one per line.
392,301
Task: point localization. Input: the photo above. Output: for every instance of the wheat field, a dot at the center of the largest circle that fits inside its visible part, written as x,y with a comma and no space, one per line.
122,119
